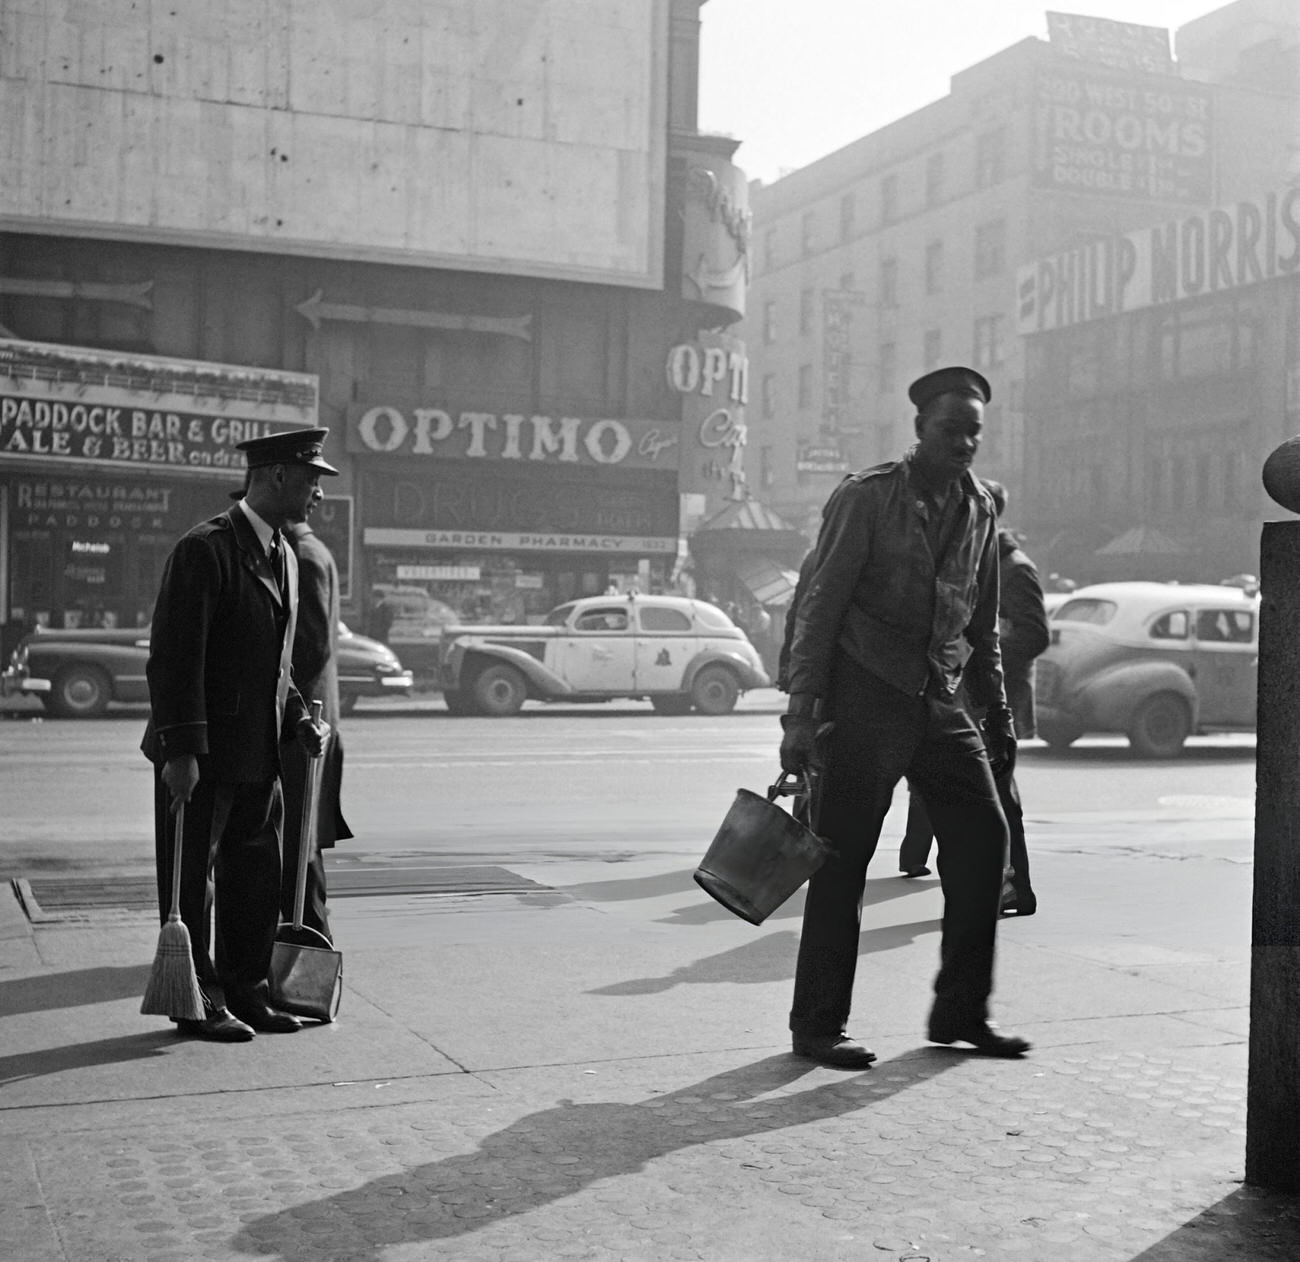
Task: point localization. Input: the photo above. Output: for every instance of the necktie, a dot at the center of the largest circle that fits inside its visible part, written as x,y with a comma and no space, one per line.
277,565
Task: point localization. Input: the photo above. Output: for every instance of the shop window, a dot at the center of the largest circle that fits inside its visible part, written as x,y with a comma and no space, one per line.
990,248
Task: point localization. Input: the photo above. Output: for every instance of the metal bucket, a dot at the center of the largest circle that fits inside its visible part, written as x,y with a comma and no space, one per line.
760,855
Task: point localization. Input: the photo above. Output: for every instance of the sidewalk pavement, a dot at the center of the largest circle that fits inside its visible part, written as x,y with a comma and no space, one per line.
599,1068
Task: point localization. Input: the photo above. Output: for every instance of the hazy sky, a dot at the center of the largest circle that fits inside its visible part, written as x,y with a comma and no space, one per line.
796,80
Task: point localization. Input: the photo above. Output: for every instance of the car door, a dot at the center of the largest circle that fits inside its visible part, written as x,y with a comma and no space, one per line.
600,651
1226,654
666,642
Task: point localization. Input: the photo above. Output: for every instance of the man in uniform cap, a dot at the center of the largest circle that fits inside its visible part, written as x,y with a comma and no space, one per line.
222,698
904,578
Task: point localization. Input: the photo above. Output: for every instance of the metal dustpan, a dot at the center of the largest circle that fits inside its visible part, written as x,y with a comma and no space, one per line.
306,976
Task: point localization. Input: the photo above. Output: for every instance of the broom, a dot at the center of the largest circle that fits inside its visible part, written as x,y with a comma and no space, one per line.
173,989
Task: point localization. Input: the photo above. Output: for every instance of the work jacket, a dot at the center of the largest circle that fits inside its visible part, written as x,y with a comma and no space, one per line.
877,593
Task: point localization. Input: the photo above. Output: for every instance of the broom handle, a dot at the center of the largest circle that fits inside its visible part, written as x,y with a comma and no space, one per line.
307,825
175,912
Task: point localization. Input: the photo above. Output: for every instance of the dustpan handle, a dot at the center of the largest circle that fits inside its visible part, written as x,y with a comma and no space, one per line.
791,783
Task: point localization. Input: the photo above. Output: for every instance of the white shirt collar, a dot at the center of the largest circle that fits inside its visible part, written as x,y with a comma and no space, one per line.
263,531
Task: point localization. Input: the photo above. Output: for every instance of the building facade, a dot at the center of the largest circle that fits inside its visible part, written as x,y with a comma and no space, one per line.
464,231
900,251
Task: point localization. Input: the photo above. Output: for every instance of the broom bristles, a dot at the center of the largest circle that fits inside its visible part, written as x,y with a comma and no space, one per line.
173,989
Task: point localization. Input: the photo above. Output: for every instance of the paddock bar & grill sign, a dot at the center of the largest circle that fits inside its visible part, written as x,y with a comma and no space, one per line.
1205,253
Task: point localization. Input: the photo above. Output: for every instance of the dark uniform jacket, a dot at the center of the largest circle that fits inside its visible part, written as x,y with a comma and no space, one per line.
876,591
219,669
1024,632
316,674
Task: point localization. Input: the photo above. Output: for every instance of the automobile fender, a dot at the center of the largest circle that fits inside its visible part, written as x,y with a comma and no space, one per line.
546,682
1109,699
122,664
743,671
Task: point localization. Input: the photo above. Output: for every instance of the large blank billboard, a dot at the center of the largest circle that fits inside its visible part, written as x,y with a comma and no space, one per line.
517,136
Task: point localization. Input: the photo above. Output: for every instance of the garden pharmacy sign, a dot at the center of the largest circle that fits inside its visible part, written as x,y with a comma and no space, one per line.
1201,254
628,444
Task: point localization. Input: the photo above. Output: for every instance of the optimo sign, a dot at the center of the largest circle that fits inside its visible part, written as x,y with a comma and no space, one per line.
1201,254
568,440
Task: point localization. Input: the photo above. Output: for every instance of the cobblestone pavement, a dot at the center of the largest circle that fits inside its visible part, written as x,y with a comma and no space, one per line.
931,1156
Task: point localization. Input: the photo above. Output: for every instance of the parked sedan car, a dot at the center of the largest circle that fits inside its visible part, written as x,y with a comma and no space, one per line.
1155,661
77,673
678,653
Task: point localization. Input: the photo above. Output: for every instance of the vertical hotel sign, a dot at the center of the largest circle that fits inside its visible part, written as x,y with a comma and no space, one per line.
837,360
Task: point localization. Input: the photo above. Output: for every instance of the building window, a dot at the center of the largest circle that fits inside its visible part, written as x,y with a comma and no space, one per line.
847,281
889,199
805,312
1179,483
769,249
769,322
766,474
989,349
768,396
805,386
1203,479
1232,479
932,350
990,248
888,372
990,157
934,267
807,232
934,179
889,282
848,209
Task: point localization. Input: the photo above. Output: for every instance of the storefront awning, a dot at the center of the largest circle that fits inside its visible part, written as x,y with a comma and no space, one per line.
768,582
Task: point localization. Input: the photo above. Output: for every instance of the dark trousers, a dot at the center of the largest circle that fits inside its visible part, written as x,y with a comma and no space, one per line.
915,849
879,736
231,858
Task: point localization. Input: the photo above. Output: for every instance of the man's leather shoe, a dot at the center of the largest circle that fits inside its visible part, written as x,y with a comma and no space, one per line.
983,1036
219,1026
1018,905
254,1010
836,1050
915,872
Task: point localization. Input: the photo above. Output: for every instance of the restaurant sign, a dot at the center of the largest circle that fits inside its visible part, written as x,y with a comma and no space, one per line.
1205,253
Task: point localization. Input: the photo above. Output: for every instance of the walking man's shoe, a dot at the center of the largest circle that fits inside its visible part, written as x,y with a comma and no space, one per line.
837,1051
915,872
219,1026
252,1009
983,1036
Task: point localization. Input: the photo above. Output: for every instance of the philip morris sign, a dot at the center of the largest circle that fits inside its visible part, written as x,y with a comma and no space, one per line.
1205,253
513,436
1144,137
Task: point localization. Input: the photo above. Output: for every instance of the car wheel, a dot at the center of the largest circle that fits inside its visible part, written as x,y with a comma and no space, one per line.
715,691
500,690
1160,726
1059,736
80,692
458,702
347,702
671,704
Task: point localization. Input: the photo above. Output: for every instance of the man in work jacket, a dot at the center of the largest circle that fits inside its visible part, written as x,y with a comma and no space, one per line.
906,569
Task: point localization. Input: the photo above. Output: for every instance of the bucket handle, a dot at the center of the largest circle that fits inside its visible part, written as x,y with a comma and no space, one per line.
791,782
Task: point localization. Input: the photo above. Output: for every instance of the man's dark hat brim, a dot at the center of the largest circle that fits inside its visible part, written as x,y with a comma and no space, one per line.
298,446
954,380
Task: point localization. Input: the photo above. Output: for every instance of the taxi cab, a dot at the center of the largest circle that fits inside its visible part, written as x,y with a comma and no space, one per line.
680,654
1155,661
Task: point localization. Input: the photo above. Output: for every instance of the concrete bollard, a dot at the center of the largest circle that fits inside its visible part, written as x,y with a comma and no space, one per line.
1273,1093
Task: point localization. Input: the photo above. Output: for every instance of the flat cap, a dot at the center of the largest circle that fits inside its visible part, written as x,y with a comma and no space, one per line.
955,380
295,446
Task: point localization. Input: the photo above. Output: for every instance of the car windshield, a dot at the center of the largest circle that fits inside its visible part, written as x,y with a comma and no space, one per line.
1086,609
559,616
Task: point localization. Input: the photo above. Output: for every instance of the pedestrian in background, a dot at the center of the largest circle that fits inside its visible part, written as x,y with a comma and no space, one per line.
221,700
1023,635
316,673
905,575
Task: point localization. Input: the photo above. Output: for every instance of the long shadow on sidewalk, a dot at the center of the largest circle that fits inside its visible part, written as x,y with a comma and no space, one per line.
767,959
71,989
558,1152
1248,1224
55,1060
